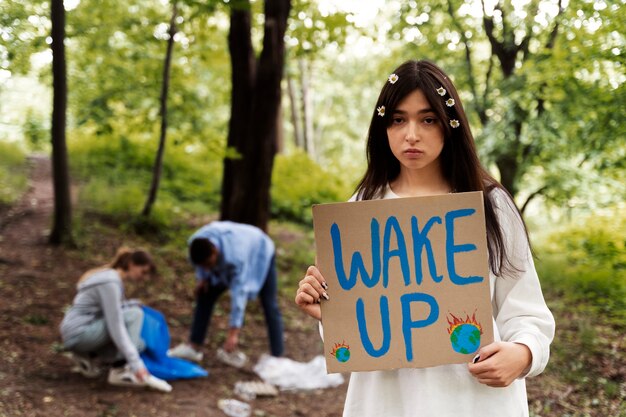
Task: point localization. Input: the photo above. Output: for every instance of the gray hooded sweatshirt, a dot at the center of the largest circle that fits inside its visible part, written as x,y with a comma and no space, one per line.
100,296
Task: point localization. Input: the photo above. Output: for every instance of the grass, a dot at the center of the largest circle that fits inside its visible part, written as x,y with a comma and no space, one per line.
13,173
586,375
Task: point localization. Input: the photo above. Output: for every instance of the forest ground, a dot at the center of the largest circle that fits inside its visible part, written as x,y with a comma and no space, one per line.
585,378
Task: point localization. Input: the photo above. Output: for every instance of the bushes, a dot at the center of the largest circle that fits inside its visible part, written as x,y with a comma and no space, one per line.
587,263
298,183
13,179
117,172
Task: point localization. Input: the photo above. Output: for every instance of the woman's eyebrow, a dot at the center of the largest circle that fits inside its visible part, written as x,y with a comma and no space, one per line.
403,112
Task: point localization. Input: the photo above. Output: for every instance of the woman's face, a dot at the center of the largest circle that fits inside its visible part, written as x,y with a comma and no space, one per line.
415,133
138,272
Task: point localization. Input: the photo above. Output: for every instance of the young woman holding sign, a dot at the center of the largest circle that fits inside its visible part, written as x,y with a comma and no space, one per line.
420,144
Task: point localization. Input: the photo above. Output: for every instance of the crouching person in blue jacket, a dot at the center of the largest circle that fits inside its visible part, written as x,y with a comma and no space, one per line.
239,258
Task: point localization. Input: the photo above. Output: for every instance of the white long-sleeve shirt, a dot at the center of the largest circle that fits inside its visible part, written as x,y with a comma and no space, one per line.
520,315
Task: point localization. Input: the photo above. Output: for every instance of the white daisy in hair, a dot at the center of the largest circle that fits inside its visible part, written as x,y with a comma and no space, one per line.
393,78
441,91
381,111
454,123
450,102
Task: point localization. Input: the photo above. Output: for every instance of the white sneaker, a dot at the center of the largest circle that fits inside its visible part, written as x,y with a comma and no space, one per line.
158,384
124,377
185,351
87,367
236,359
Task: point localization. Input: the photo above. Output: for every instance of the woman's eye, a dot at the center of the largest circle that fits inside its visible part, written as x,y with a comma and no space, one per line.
430,120
397,120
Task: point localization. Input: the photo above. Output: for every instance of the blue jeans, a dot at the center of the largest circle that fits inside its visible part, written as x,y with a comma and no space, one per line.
205,302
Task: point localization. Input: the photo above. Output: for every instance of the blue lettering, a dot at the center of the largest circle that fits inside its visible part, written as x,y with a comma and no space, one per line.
356,266
408,323
392,224
420,240
384,318
452,249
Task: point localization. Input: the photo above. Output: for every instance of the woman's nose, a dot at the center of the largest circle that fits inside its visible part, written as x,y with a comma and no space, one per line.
412,132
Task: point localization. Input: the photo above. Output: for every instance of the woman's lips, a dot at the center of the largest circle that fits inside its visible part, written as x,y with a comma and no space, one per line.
413,153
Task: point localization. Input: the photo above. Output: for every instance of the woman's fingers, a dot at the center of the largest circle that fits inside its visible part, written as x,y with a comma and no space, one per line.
314,272
496,383
302,298
313,286
309,304
311,290
500,363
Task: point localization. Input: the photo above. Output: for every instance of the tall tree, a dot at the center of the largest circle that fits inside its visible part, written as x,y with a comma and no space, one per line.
256,97
533,71
312,33
158,162
62,226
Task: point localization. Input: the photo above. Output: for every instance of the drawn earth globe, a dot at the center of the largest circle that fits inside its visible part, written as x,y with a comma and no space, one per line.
342,354
465,338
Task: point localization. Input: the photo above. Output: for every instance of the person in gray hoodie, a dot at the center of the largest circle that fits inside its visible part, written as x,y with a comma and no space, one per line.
102,324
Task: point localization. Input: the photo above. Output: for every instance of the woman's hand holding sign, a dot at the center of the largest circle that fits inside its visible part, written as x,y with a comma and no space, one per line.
499,364
311,290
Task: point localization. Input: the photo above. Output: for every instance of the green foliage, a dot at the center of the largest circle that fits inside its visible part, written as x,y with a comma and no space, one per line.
116,172
13,180
295,251
24,26
298,183
37,135
586,264
311,30
117,59
559,113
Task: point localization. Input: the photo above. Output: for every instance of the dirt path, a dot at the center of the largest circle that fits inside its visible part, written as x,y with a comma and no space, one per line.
37,283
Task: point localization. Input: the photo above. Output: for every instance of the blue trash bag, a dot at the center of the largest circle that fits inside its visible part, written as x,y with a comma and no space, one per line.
156,336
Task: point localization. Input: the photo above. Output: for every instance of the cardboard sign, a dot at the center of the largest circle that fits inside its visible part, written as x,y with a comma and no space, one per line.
408,281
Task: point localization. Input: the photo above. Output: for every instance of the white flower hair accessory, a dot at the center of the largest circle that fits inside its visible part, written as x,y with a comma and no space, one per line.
381,111
393,78
454,123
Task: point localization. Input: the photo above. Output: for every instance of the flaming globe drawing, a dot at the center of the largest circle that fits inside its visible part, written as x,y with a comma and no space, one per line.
464,333
341,352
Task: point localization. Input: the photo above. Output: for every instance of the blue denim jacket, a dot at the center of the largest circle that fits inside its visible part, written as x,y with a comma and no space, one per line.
245,256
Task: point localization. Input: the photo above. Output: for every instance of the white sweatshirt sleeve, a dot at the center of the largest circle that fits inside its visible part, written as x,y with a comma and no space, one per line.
520,311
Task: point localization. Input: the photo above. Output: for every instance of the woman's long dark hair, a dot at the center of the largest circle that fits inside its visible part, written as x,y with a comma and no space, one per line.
459,160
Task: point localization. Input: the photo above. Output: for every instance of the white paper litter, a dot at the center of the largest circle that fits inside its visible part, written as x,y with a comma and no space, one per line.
288,374
234,408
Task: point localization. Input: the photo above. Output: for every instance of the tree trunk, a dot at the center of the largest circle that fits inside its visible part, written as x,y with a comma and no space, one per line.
508,167
280,133
307,109
243,75
295,115
253,129
158,162
62,223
